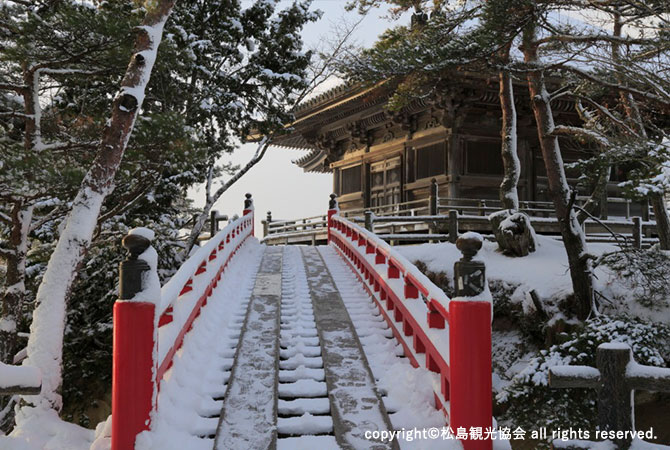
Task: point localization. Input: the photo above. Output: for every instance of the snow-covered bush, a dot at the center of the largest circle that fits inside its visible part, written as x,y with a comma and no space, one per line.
531,403
642,276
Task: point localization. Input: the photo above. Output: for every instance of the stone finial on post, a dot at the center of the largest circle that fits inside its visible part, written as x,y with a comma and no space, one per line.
132,269
333,209
616,374
133,346
469,275
249,209
470,312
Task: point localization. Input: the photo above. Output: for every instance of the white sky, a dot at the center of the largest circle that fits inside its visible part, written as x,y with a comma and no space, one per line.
276,184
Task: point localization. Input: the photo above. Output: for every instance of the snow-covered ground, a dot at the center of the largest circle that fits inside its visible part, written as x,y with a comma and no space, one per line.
545,271
186,395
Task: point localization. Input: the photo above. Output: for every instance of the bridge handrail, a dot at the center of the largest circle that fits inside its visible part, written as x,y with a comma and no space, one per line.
451,337
404,266
195,279
172,289
149,331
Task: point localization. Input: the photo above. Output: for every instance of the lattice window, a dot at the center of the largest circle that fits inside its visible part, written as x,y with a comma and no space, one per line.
483,158
350,180
431,160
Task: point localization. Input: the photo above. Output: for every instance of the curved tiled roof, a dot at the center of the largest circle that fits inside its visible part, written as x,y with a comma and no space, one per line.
313,161
331,94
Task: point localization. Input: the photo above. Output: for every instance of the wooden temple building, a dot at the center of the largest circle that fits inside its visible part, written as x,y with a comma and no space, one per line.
378,157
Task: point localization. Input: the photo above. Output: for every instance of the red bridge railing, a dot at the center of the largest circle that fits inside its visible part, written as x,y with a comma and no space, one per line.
451,337
149,331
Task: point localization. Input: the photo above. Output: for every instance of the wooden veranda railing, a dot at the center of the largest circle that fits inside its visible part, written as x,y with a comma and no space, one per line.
438,219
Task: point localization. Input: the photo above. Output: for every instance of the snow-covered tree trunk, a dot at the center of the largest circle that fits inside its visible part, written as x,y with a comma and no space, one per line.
512,168
662,220
45,344
571,231
14,289
595,200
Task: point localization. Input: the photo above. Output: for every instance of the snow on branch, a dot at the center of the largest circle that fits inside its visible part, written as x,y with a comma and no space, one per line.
665,99
593,38
19,379
563,130
18,88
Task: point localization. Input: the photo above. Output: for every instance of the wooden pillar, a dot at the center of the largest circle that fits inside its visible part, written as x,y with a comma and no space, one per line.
454,164
604,207
365,184
433,200
453,225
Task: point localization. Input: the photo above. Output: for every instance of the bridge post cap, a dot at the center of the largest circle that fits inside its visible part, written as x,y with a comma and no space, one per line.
135,244
248,201
332,204
469,244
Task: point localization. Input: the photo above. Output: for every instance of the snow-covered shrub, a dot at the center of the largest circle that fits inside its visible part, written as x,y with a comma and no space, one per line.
531,403
644,274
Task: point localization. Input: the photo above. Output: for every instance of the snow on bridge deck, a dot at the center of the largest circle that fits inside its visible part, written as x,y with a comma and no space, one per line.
289,385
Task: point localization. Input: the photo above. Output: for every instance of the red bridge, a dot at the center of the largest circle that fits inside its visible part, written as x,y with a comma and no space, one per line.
333,346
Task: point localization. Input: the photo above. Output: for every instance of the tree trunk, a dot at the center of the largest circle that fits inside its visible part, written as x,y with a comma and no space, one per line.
662,220
571,231
14,289
597,195
45,344
512,168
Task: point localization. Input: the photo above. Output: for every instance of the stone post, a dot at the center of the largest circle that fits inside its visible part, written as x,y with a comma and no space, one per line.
616,374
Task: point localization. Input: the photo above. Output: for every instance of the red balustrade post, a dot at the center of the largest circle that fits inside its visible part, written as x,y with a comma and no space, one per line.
470,387
249,209
332,210
133,365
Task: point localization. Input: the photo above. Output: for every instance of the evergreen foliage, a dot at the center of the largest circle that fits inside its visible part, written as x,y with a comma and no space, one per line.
222,71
